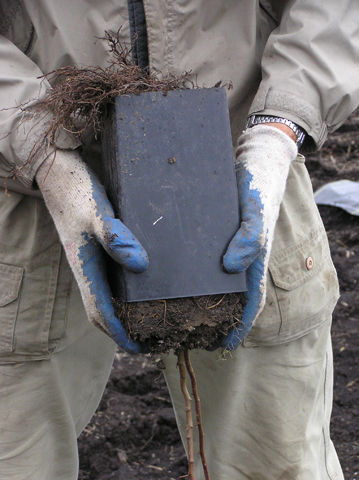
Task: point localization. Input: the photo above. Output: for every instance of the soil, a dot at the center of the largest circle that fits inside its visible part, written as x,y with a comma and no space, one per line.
133,434
181,322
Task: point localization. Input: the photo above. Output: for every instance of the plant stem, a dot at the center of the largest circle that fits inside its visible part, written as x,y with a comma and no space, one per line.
187,397
198,413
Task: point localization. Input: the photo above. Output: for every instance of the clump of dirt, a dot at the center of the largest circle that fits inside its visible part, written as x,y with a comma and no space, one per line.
190,323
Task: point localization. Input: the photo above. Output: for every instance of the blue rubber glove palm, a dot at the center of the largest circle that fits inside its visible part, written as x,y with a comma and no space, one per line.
264,156
86,225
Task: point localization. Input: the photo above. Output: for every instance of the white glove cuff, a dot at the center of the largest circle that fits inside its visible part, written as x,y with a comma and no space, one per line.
266,153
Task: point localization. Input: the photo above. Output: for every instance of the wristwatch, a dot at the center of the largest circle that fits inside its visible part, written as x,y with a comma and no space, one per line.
260,119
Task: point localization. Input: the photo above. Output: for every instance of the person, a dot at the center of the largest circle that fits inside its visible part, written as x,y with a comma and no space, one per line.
266,409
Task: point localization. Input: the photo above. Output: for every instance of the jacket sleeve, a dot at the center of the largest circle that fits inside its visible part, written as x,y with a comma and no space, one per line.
310,67
20,83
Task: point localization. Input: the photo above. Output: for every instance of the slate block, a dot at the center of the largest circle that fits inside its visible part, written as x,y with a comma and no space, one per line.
170,176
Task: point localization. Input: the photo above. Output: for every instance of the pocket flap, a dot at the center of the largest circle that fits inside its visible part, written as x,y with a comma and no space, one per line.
10,281
292,267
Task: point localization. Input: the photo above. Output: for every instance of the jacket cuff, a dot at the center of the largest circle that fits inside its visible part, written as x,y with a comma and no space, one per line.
281,104
26,151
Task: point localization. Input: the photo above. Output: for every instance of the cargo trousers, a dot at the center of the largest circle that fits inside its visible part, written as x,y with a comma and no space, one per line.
266,408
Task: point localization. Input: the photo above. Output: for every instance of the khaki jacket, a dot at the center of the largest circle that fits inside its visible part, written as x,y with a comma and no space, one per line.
292,58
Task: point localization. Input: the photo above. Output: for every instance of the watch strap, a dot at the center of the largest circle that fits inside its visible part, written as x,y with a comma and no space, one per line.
261,119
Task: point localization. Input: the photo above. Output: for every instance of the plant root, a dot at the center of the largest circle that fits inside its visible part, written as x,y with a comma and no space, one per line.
187,397
184,364
198,413
79,96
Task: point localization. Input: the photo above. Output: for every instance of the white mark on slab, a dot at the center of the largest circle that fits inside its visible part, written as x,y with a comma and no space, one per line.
158,219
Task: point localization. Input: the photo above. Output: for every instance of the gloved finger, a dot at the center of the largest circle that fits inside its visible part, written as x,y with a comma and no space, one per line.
237,334
114,236
120,243
255,302
97,296
103,207
245,246
116,331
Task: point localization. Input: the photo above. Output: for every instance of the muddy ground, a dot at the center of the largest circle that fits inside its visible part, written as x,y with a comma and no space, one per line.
133,434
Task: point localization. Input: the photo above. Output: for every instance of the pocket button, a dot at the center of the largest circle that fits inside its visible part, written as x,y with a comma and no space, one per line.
309,263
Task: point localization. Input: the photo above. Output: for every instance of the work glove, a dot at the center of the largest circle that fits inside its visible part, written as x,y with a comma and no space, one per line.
264,155
85,221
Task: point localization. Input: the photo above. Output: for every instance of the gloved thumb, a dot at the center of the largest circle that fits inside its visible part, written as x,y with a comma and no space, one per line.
123,246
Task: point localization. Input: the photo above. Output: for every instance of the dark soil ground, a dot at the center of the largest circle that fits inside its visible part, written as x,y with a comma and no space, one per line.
133,434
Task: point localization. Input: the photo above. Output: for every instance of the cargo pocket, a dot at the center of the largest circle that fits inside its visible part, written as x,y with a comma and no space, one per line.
302,284
302,290
10,283
35,307
306,284
35,316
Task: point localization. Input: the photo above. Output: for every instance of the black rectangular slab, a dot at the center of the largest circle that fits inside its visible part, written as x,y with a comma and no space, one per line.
170,176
